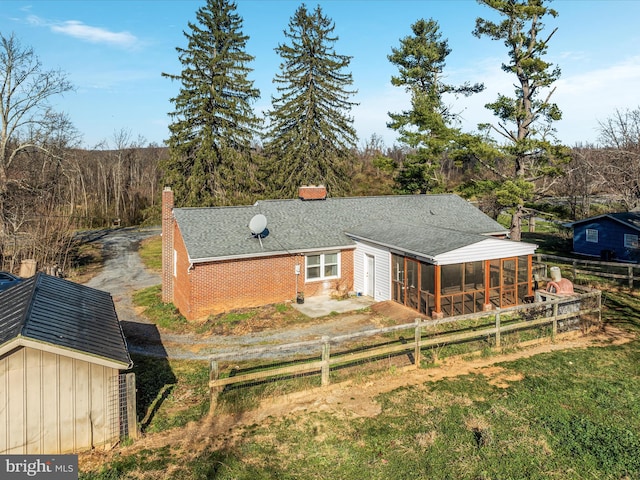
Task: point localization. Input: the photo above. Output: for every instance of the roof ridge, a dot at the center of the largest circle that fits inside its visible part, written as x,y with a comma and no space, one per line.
27,311
214,207
288,200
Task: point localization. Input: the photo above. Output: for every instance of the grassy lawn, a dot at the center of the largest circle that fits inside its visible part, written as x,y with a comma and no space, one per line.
150,252
574,415
570,414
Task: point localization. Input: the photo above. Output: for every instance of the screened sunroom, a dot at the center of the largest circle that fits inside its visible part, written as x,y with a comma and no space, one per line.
443,273
460,288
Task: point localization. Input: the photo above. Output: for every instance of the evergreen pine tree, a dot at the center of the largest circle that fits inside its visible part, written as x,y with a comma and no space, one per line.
310,136
213,123
428,128
526,119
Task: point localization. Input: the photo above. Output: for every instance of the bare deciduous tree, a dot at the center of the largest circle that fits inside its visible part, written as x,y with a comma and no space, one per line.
27,121
620,135
583,178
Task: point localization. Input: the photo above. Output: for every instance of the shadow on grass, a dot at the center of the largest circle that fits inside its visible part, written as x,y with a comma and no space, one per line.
551,243
154,377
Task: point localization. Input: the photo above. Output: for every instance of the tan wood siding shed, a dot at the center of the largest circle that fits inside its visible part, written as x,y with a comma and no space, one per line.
54,403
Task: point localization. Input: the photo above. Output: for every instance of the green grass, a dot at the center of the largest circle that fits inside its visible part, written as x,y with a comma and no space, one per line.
574,414
164,315
170,393
543,427
150,252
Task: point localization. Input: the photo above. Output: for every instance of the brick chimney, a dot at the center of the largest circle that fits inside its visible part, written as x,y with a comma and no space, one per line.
167,245
312,192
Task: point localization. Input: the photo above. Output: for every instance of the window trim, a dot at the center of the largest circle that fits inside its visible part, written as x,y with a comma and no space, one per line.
630,240
591,235
175,263
322,265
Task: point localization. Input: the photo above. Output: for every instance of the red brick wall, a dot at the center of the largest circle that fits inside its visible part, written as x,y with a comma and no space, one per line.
167,245
182,279
217,287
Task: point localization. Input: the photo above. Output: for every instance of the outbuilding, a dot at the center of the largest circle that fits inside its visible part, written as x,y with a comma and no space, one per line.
611,236
62,353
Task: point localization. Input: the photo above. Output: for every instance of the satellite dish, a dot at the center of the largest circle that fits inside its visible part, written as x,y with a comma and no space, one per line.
258,224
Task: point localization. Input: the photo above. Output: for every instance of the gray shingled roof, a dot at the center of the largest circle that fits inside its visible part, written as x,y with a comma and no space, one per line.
444,222
65,314
427,241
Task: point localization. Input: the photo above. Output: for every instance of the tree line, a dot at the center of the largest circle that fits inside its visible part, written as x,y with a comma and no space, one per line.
219,152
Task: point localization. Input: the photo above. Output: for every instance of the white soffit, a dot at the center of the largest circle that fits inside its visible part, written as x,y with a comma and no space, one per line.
489,249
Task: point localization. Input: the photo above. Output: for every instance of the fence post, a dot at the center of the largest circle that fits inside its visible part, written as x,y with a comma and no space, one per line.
574,271
214,374
630,271
132,416
325,361
554,329
498,340
599,308
418,340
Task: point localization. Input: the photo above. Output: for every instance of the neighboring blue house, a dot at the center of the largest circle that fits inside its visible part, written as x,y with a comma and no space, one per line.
613,236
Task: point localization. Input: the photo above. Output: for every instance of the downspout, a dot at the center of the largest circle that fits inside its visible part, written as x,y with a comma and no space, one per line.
298,272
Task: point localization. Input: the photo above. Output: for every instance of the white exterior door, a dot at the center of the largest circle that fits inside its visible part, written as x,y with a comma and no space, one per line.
370,275
372,271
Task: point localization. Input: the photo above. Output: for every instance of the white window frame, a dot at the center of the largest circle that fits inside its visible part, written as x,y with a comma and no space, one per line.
175,263
322,256
591,235
630,240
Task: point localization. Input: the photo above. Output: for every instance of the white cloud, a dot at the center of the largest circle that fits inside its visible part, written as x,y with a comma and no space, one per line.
87,33
584,97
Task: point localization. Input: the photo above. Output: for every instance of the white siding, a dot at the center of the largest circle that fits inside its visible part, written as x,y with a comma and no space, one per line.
382,270
489,249
51,403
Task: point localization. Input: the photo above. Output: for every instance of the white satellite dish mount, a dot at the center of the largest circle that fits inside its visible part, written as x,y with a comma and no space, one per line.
258,227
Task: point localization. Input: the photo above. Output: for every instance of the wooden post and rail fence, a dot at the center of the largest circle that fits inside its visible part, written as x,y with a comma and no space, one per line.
628,273
540,314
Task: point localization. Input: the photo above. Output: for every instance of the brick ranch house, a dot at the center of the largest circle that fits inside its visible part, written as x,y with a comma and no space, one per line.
436,254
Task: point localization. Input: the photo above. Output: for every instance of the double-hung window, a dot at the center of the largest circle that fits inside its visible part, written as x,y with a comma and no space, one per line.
321,266
592,235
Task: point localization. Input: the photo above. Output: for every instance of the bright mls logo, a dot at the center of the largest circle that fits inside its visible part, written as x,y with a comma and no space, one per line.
50,467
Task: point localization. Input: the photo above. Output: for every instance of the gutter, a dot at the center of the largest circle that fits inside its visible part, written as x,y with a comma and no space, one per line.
276,253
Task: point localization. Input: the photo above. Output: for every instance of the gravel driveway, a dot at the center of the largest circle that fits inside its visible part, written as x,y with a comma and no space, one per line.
123,271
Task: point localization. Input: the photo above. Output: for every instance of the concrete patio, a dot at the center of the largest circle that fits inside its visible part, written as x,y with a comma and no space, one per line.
321,306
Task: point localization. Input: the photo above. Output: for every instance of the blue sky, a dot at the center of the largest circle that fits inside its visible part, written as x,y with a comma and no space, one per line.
115,51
